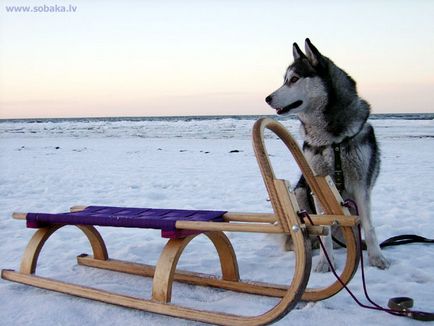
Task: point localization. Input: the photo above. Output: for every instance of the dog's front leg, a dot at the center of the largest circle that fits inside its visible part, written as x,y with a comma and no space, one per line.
302,194
323,265
375,255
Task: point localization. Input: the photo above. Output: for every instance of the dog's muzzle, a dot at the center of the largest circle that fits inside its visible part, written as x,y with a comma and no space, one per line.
285,109
289,107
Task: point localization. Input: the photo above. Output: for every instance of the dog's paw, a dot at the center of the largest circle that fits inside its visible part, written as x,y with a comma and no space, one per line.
288,244
379,261
323,266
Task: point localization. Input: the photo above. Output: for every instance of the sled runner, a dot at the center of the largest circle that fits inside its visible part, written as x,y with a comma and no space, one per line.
181,226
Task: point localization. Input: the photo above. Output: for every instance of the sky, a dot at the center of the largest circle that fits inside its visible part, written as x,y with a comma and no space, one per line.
163,58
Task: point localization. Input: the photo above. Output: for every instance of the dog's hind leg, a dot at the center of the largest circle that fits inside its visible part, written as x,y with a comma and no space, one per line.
376,257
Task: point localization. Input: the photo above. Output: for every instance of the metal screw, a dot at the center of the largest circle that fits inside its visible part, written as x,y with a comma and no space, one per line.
295,228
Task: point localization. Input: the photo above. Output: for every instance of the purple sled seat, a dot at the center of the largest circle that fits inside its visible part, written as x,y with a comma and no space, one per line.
146,218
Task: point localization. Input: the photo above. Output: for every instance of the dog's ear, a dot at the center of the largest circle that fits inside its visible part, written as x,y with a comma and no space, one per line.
312,53
296,52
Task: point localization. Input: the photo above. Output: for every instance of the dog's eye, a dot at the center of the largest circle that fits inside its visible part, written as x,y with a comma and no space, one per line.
294,79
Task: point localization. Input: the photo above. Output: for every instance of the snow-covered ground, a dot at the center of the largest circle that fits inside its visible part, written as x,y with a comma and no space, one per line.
50,166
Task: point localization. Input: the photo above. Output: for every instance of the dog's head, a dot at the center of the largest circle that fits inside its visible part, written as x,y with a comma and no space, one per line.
303,88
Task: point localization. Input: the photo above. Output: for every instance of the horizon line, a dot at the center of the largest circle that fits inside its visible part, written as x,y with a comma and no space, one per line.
193,116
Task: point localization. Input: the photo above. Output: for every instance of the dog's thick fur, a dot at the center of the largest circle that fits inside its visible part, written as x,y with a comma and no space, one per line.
326,102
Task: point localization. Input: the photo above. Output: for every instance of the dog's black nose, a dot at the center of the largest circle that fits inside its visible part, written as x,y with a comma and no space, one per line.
268,99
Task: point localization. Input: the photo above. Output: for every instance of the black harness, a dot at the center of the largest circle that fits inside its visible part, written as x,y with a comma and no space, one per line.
339,173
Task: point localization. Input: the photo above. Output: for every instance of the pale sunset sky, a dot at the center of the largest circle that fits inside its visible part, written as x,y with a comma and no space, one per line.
158,58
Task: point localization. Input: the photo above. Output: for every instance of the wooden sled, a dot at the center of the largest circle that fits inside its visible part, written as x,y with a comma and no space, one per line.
285,220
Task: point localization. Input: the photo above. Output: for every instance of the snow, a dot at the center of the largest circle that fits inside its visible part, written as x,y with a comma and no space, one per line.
50,166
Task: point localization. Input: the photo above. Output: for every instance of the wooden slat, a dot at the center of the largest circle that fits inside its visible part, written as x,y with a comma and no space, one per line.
223,226
287,202
201,279
249,217
195,278
123,300
19,216
242,227
210,317
328,196
77,208
341,220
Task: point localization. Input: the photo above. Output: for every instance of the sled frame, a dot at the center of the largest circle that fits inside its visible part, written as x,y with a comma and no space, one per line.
284,220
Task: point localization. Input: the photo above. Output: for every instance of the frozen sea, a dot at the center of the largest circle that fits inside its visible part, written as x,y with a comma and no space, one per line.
196,163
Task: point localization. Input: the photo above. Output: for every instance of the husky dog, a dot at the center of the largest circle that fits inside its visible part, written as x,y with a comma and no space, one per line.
332,115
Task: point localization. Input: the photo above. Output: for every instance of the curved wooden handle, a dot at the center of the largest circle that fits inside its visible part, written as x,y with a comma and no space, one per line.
284,203
288,140
322,187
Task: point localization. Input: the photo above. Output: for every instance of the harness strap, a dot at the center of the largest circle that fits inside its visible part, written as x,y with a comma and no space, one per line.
339,173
